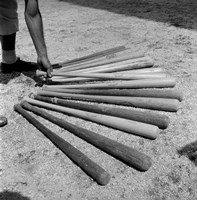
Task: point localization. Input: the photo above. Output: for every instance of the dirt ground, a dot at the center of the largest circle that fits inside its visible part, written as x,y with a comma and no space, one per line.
33,168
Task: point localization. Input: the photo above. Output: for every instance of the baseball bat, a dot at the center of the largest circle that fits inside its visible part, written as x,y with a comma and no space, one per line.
126,154
148,69
155,93
138,71
134,84
86,164
124,56
129,126
169,105
162,121
96,55
137,63
102,75
91,56
143,71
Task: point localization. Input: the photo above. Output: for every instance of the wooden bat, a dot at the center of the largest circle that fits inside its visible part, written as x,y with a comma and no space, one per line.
144,71
98,62
162,121
87,165
122,152
102,75
134,84
97,55
129,126
137,63
91,56
170,105
141,71
155,93
149,69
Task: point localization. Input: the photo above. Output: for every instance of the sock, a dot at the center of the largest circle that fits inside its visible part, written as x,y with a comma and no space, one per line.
9,57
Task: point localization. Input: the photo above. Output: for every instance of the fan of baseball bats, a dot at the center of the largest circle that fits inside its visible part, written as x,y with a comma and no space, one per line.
84,88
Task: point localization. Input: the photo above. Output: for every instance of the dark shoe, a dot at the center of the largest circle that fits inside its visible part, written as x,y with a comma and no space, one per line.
18,66
3,121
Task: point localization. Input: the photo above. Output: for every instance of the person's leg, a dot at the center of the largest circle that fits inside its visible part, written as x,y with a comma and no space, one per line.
8,30
8,48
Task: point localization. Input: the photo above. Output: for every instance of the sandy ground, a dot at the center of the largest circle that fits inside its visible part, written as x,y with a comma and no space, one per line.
33,168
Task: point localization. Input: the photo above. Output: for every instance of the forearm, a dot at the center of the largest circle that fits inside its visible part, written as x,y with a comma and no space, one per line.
34,23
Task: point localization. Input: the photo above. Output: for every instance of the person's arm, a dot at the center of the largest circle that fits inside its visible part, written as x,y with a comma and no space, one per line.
34,23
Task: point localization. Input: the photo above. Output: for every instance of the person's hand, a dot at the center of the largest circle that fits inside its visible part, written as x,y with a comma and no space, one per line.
45,65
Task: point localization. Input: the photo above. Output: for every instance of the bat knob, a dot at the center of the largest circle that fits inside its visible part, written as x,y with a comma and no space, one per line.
104,178
40,73
31,95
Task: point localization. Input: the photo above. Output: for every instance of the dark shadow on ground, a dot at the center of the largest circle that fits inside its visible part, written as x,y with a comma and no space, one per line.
6,77
190,151
7,195
179,13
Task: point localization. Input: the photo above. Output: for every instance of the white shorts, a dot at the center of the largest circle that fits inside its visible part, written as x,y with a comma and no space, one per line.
8,17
